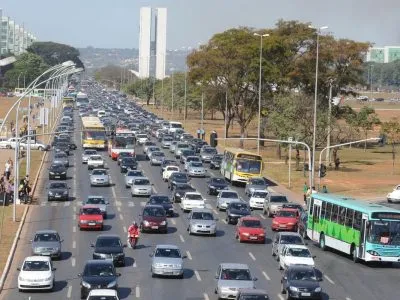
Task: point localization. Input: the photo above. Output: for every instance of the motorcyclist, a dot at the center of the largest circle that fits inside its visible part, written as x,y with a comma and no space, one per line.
133,232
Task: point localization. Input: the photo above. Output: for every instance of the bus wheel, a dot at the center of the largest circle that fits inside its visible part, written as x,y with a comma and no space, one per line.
322,244
354,253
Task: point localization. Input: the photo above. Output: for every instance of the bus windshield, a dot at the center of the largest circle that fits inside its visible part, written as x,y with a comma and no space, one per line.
248,166
95,135
384,232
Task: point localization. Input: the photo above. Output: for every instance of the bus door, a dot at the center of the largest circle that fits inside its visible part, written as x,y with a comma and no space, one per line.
316,214
363,236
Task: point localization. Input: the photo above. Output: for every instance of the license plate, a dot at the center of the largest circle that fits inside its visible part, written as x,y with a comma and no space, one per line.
253,237
56,176
92,224
282,226
306,294
168,273
46,253
58,196
154,227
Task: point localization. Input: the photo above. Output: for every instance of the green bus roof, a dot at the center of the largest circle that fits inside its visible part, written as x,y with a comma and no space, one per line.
359,205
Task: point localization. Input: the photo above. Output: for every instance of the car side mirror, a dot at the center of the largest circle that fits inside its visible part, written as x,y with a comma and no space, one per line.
185,256
216,276
285,277
107,203
314,256
118,274
255,279
124,245
151,254
79,275
91,245
54,269
61,241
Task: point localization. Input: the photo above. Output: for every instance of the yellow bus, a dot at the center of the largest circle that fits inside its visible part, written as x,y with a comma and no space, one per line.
93,133
238,165
68,101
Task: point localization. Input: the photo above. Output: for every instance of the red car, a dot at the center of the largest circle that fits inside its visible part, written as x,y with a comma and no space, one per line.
286,219
250,229
90,217
153,218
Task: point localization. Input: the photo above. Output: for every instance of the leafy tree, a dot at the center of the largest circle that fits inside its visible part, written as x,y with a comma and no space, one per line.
392,130
111,75
55,53
365,120
142,88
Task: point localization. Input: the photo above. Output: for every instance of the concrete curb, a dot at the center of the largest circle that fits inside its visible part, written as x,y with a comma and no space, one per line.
12,251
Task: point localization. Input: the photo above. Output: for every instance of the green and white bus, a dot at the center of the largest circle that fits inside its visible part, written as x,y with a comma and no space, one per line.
238,165
366,231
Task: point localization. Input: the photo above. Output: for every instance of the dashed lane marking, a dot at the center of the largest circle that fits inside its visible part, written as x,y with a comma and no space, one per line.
118,208
197,275
262,217
73,261
74,208
206,296
74,229
143,204
252,256
131,204
137,291
69,293
134,264
113,192
329,279
74,244
215,211
173,221
224,221
79,203
43,204
181,238
121,216
266,275
209,206
118,203
67,204
189,255
54,204
124,228
280,297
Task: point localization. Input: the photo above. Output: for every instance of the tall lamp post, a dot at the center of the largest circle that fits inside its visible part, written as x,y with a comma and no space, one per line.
172,92
259,91
318,31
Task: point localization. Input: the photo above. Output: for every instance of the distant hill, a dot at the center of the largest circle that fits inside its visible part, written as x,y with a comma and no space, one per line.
95,58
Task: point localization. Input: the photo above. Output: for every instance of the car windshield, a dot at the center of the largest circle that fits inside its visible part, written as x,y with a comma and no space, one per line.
164,252
298,252
260,195
159,154
179,176
90,152
128,160
46,237
278,199
210,150
248,166
141,136
135,173
291,239
384,232
184,187
235,274
108,242
286,214
194,197
141,182
303,275
153,212
36,266
93,200
159,200
167,139
196,215
60,155
99,172
90,211
257,181
183,146
217,158
230,195
99,270
56,166
251,223
153,149
193,158
95,157
58,185
218,181
239,206
196,164
124,154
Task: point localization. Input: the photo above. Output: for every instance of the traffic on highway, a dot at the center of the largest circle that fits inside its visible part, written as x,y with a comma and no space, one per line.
133,207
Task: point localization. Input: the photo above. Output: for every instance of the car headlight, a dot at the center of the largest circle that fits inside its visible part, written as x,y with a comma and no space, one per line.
48,278
275,222
163,223
86,285
158,265
51,173
51,193
245,233
65,192
291,223
212,187
99,222
146,223
178,266
294,289
112,284
63,173
318,289
83,221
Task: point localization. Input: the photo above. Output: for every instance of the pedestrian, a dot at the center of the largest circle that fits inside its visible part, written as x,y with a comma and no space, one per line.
297,159
198,133
305,189
337,163
203,134
324,189
7,171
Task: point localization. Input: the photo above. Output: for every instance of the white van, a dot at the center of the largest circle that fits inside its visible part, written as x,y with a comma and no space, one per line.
173,126
101,113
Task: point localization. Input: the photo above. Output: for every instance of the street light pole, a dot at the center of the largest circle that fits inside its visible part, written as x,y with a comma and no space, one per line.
259,91
328,143
172,95
202,110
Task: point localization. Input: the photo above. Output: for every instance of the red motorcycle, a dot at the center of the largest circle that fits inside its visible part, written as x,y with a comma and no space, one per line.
133,239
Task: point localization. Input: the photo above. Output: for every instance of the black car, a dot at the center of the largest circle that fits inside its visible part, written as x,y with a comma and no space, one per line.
58,191
57,171
164,201
179,191
301,282
98,274
302,225
236,210
177,177
123,155
215,162
128,163
110,247
61,147
168,162
215,185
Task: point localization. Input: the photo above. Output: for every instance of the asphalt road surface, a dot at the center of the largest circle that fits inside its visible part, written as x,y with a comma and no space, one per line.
343,279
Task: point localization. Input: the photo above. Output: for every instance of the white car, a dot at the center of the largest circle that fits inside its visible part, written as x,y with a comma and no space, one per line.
257,199
295,255
95,162
192,200
168,171
395,195
36,273
35,145
86,153
106,294
142,138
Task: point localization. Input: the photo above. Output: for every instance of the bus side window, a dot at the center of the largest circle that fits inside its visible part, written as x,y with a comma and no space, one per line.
323,210
328,211
334,215
311,206
342,215
357,220
349,217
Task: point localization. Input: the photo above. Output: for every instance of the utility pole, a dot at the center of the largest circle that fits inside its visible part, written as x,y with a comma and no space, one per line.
328,142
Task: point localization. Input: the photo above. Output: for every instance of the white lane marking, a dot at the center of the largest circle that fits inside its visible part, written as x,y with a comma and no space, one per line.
197,275
137,292
74,244
224,221
215,211
121,216
252,256
330,280
74,208
118,208
74,216
131,204
272,190
74,229
266,275
263,217
155,189
209,206
43,203
73,261
113,192
124,228
347,298
181,237
69,293
54,204
280,297
79,203
67,204
173,221
206,296
134,264
118,203
189,255
143,204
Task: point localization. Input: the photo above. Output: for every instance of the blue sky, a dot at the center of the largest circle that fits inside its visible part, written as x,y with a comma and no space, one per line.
115,24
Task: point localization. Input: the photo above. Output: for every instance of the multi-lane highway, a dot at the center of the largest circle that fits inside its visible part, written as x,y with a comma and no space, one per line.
342,278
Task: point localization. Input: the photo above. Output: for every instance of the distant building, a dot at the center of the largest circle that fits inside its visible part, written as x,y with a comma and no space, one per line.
385,54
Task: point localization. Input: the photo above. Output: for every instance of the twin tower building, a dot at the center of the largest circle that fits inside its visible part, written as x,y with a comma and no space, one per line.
152,42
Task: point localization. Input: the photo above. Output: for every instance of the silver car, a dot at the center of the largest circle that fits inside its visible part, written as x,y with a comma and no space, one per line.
156,158
273,204
225,197
147,145
202,221
196,169
99,177
86,154
98,201
231,277
167,260
179,147
150,150
256,183
172,146
141,187
132,175
61,158
207,153
190,159
166,142
46,243
285,238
